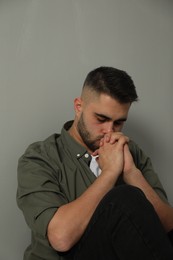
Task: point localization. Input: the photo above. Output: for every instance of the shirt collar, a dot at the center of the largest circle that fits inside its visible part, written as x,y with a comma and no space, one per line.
75,148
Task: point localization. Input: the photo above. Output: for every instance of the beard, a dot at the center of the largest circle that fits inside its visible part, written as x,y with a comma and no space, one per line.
91,143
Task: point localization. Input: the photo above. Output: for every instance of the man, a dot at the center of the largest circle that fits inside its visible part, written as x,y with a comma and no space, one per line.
91,193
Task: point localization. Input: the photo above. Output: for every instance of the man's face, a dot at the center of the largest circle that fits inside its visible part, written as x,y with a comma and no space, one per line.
98,117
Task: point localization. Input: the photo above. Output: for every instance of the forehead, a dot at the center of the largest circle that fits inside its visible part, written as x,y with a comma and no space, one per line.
108,106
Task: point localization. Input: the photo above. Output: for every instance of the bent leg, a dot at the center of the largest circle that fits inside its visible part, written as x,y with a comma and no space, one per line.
124,226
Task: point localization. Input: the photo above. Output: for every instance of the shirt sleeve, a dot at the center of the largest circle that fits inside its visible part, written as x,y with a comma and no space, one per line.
38,194
143,162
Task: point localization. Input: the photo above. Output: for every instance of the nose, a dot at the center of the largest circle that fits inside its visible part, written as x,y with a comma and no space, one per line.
108,127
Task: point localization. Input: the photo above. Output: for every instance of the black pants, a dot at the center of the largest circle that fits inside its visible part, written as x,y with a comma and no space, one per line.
124,226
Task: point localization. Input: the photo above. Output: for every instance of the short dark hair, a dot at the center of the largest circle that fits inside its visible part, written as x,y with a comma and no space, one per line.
113,82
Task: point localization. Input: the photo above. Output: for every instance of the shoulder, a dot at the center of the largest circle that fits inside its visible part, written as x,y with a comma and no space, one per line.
41,152
42,147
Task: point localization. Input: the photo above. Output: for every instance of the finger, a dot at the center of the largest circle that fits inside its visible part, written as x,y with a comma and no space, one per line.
95,153
111,137
123,140
107,137
101,142
116,136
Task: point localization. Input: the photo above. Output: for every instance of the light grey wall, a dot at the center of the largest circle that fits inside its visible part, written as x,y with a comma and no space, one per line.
46,49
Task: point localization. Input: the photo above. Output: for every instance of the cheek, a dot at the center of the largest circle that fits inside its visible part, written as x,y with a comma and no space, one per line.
95,128
99,129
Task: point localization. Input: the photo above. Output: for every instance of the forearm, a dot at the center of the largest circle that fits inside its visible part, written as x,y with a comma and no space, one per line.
70,221
164,211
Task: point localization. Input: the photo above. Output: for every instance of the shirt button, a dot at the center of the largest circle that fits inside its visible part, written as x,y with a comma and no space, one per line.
86,155
78,155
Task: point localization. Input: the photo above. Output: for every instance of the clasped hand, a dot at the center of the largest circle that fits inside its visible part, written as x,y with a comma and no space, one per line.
114,155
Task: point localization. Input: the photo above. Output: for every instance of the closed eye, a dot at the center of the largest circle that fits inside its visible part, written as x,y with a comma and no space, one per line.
102,120
120,122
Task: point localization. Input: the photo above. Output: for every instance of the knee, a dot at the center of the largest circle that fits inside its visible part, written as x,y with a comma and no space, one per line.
124,192
127,196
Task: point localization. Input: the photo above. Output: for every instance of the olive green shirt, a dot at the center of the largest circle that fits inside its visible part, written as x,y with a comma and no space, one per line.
55,172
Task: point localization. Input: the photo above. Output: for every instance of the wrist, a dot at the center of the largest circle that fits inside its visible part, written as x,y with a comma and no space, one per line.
130,176
110,175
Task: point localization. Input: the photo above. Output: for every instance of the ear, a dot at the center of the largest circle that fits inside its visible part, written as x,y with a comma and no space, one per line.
78,105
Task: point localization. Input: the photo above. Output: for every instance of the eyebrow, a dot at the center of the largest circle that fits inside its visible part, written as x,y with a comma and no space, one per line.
123,119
